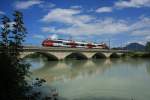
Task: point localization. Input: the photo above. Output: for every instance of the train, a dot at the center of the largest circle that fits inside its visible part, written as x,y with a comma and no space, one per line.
72,44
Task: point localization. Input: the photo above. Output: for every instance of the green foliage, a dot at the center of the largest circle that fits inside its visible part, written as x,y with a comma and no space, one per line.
137,55
4,33
13,69
147,47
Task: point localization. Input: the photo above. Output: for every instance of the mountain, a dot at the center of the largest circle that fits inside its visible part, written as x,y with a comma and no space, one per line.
135,46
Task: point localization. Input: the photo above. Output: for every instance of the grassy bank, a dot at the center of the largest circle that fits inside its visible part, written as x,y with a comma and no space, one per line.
137,55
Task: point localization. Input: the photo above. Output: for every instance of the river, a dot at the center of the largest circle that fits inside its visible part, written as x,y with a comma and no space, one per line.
103,79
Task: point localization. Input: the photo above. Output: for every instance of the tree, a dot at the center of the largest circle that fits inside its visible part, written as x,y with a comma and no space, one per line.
4,33
13,69
147,47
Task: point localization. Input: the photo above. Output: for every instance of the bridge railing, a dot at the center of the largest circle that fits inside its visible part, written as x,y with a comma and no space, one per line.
63,49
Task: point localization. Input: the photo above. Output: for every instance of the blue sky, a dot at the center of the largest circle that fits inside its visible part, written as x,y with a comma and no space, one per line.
120,21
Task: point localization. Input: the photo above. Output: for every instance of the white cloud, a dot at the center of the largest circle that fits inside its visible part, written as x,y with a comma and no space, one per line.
76,7
104,9
124,4
143,22
46,5
2,13
107,26
68,16
132,3
26,4
147,38
141,27
98,28
81,23
144,32
54,36
38,36
61,15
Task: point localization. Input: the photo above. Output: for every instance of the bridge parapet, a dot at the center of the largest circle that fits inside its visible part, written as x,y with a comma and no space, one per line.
73,49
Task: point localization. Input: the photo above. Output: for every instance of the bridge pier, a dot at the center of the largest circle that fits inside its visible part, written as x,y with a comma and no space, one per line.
107,55
60,55
89,55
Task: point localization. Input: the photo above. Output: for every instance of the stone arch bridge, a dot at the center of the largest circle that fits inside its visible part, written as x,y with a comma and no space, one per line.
64,53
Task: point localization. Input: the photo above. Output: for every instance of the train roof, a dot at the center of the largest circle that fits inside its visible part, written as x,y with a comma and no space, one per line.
78,42
81,42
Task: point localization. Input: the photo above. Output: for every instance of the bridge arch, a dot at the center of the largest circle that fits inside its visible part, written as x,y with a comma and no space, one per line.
114,55
76,55
99,55
49,56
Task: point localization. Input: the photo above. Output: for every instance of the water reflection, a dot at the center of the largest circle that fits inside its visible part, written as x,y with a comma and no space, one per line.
99,98
69,69
35,63
75,63
148,68
103,79
102,62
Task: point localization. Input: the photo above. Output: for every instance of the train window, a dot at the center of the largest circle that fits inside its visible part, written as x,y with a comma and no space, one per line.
65,43
82,45
58,41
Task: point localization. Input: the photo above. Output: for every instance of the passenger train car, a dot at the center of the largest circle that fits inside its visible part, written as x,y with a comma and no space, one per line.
71,44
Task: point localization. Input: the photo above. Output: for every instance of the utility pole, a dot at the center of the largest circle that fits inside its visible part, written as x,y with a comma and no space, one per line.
136,47
109,43
70,38
121,45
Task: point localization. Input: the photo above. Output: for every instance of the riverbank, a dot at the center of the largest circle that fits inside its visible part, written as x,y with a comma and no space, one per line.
137,55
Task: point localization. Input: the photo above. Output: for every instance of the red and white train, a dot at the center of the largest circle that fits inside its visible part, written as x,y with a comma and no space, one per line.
71,44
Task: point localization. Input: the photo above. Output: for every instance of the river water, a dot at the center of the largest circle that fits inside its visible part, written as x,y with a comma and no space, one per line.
103,79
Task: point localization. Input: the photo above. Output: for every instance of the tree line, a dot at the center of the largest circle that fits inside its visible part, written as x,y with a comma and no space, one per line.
147,47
